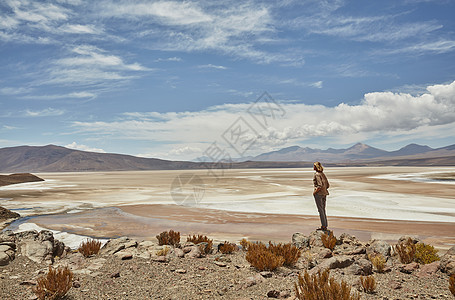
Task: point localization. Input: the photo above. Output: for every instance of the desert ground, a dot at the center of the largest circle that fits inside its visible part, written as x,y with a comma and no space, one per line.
259,204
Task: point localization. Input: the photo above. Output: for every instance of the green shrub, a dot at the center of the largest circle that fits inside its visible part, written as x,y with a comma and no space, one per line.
425,254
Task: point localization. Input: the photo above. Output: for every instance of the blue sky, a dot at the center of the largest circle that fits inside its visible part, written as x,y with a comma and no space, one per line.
169,79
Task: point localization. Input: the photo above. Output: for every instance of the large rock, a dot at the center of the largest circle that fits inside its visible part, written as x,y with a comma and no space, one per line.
115,245
379,247
7,236
403,239
336,262
7,214
300,240
4,259
361,267
447,264
39,247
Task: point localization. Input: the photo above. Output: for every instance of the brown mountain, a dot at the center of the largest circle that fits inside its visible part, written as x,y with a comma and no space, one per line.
53,158
18,178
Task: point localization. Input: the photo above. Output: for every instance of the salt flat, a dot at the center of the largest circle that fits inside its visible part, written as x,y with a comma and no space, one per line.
83,203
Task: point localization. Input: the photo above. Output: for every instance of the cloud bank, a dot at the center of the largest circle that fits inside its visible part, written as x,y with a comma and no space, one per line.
379,113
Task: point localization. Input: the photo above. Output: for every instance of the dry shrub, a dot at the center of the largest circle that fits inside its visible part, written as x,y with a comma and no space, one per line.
320,286
406,250
163,252
368,284
170,237
378,262
197,239
89,247
289,252
452,284
244,243
54,285
329,240
260,257
227,248
425,254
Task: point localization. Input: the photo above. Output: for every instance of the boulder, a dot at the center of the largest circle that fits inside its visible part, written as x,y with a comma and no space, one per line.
362,267
447,264
379,247
115,245
315,240
7,236
4,259
39,247
195,252
300,240
429,270
336,262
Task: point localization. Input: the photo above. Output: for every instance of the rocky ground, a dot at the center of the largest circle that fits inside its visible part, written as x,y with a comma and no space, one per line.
129,269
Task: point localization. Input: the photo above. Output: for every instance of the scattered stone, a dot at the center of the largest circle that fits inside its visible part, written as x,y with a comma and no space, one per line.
220,264
409,268
253,280
266,274
273,294
28,282
76,284
160,259
127,256
115,275
201,268
395,285
180,271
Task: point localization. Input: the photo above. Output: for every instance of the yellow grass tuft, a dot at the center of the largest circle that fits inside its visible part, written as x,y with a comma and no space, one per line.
170,237
378,262
368,284
406,251
260,257
289,252
452,284
227,248
54,285
329,240
89,247
197,239
320,286
163,252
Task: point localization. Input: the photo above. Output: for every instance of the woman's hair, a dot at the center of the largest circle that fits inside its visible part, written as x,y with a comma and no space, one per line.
318,166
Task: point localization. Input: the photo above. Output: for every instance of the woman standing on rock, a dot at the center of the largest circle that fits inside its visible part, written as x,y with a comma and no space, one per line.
321,185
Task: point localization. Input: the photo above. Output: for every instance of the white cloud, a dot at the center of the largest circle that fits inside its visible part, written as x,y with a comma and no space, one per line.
317,84
380,113
48,112
442,46
210,66
77,146
80,29
175,58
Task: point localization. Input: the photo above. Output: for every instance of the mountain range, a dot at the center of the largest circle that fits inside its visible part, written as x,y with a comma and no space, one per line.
53,158
358,152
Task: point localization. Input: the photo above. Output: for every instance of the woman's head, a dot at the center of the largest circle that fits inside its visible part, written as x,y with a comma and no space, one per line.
318,167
